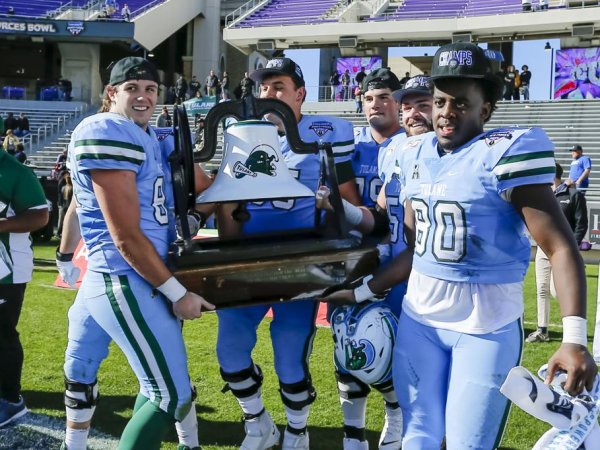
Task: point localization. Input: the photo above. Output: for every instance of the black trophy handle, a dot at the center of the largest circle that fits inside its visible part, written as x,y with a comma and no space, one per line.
182,169
252,108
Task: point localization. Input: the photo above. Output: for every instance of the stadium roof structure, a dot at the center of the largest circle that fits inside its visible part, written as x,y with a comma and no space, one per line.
576,26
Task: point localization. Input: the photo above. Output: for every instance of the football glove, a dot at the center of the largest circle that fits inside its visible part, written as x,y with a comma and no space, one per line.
360,289
195,222
66,269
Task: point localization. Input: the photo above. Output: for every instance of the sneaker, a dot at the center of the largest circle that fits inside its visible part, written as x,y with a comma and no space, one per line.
391,435
11,411
261,433
538,336
292,441
185,447
355,444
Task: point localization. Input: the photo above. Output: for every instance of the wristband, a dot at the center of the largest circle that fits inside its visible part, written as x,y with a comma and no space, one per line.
364,292
574,330
172,289
64,257
353,213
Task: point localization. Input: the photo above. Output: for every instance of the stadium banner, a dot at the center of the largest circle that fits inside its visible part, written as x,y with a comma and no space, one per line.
576,73
199,105
26,26
594,225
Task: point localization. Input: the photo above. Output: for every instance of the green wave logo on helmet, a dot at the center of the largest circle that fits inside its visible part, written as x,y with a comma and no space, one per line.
260,160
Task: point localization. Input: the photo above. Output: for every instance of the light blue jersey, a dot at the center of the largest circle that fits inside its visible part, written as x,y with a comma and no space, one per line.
110,141
299,213
465,230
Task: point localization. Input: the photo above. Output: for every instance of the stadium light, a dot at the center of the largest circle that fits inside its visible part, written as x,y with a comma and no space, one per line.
548,47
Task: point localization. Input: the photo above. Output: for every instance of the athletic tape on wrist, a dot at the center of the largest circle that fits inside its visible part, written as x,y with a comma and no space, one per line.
364,292
574,330
353,213
172,289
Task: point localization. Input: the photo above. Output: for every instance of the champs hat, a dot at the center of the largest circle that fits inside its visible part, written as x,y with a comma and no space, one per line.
381,79
463,60
419,84
279,66
133,68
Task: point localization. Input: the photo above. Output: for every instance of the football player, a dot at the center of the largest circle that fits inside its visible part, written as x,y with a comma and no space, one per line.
122,189
293,325
374,149
469,197
77,432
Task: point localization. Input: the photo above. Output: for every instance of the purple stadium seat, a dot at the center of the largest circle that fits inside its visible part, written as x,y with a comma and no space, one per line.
288,12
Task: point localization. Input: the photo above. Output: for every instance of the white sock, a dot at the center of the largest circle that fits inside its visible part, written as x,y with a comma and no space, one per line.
297,419
252,405
76,439
354,411
530,394
187,429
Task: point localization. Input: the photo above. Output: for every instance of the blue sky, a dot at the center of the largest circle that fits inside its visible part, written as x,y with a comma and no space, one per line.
531,53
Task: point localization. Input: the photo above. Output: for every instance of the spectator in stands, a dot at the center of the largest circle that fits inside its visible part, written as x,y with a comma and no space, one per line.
164,118
110,6
194,87
28,212
212,82
360,76
66,87
334,82
525,82
573,205
405,79
246,85
10,123
225,86
346,84
10,142
181,88
23,125
20,153
65,194
125,13
543,5
509,82
358,97
526,5
517,91
581,166
60,165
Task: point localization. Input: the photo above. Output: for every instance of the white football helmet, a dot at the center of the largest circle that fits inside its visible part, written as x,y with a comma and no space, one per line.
364,337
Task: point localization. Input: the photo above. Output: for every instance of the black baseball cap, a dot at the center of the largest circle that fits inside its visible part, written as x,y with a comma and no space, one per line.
133,68
279,66
463,60
576,148
381,79
420,84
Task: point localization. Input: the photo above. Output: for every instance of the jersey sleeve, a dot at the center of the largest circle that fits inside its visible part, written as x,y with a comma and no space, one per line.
108,144
529,159
30,192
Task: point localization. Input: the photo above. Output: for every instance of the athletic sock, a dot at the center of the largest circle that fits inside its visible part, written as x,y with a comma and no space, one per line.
146,429
187,429
76,439
354,411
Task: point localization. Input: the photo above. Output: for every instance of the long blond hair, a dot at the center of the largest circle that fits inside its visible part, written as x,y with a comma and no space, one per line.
106,101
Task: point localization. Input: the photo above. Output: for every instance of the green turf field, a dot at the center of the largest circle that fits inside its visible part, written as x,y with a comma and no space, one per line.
43,330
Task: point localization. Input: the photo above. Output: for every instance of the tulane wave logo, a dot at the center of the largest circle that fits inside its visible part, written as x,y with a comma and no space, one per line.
359,354
260,160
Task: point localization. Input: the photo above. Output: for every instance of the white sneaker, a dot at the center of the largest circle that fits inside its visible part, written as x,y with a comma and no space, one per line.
261,433
355,444
391,435
293,441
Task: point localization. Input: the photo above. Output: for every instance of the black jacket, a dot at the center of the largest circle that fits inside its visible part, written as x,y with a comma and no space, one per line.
573,205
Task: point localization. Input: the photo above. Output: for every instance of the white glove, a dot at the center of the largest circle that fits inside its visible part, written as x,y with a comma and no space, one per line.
68,272
195,222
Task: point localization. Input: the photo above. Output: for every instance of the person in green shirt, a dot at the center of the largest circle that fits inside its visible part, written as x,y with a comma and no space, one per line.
23,209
